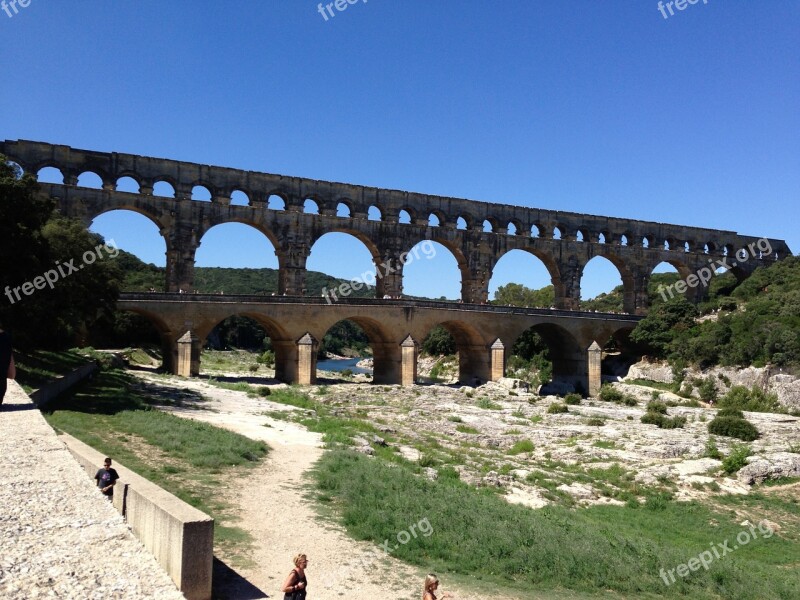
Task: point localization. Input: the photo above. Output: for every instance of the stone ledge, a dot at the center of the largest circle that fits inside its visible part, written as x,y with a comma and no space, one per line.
180,537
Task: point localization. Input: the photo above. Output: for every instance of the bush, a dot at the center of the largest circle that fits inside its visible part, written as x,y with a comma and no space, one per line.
734,427
730,412
707,390
736,459
572,399
653,418
610,394
711,450
595,422
557,409
754,400
267,358
657,407
663,421
264,391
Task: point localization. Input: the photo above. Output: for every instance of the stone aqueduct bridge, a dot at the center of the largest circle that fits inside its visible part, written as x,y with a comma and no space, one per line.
563,241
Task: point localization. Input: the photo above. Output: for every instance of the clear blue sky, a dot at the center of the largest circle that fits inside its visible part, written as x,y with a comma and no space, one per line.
597,107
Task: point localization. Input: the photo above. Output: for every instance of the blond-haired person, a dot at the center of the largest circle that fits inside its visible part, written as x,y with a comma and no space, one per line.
429,590
294,588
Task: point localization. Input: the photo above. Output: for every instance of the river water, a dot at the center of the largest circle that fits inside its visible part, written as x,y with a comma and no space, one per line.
340,364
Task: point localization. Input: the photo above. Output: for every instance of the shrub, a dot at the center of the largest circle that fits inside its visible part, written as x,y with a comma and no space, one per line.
595,422
754,400
663,421
572,399
734,427
610,394
707,390
658,407
711,450
264,391
736,459
653,418
267,358
730,412
557,409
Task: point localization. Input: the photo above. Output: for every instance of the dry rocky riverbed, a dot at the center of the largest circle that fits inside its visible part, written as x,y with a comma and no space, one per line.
493,435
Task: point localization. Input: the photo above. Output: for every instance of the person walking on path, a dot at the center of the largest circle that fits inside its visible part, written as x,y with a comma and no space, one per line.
7,367
106,478
294,588
431,585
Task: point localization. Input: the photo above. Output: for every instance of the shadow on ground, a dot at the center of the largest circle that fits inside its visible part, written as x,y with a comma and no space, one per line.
229,585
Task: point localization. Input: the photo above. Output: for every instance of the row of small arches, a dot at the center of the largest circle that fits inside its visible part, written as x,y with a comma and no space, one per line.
201,193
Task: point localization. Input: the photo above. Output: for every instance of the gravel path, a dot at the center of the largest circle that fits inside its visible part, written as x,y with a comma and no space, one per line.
59,538
275,509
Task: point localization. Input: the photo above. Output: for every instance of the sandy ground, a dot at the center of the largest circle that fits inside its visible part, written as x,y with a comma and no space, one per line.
275,509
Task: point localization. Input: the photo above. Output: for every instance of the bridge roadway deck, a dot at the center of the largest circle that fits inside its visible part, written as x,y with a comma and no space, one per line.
394,303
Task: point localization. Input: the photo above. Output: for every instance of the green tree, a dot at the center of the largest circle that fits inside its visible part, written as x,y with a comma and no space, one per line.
439,342
35,241
515,294
664,321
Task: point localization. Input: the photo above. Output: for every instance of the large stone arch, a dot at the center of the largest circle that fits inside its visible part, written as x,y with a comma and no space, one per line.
283,343
472,347
566,353
451,246
167,333
627,277
385,349
546,258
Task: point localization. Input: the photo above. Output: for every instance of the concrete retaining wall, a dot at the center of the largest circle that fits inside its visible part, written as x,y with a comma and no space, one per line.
58,386
180,537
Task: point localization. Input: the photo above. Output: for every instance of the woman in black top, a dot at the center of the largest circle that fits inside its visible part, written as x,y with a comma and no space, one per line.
295,585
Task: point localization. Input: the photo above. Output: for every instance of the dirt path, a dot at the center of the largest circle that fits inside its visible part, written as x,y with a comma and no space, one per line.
275,510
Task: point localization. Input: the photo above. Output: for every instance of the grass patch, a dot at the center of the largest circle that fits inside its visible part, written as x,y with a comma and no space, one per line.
487,404
466,429
520,447
605,444
614,549
35,369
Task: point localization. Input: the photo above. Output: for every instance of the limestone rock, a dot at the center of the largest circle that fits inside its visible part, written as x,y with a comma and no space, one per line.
772,466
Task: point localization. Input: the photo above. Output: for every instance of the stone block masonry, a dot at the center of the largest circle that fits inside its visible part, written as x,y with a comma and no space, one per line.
58,536
180,537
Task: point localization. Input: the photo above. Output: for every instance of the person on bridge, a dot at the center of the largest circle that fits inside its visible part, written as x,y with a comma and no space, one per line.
6,362
106,479
294,588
